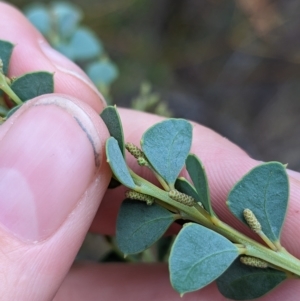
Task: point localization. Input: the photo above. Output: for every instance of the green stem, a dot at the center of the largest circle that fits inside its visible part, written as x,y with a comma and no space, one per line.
160,180
268,242
278,258
6,89
281,259
186,212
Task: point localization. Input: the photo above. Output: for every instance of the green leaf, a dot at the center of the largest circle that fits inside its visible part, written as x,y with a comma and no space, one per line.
117,163
113,123
66,17
265,191
112,120
65,49
241,282
85,44
166,145
186,187
6,49
140,225
199,256
197,173
39,16
33,84
102,72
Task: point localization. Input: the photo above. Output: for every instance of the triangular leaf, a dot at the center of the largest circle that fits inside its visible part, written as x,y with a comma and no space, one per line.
166,145
265,191
6,49
184,186
39,16
113,123
140,225
85,44
102,72
241,282
117,163
66,17
65,49
33,84
197,173
198,256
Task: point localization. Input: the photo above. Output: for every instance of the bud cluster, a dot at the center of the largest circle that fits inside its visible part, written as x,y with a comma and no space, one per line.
133,195
254,262
252,221
182,198
137,153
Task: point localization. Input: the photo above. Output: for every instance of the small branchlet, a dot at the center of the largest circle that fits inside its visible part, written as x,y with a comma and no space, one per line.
252,221
137,153
134,150
142,161
253,262
255,226
133,195
182,198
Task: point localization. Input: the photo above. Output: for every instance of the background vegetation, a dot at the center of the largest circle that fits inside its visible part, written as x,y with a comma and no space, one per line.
231,65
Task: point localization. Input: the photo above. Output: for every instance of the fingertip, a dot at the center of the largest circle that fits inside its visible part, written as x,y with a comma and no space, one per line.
51,184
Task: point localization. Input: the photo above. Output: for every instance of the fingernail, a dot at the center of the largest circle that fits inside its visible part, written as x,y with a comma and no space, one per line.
65,65
47,159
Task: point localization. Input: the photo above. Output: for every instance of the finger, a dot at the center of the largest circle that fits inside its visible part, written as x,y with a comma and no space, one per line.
225,163
145,282
33,53
53,174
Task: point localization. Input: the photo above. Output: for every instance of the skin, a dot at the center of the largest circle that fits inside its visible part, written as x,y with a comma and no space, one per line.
37,265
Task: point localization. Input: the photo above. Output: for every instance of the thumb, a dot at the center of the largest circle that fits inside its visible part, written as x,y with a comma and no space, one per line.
53,176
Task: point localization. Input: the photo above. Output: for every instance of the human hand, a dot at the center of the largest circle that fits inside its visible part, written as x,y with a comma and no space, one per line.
53,176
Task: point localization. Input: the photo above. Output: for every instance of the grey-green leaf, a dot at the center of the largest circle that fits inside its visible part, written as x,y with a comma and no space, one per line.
184,186
265,191
166,145
33,84
140,225
102,72
65,49
85,44
199,256
117,163
241,282
66,17
39,16
6,49
197,173
113,122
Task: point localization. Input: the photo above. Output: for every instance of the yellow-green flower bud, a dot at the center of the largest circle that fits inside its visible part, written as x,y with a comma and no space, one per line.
254,262
252,221
133,195
134,150
182,198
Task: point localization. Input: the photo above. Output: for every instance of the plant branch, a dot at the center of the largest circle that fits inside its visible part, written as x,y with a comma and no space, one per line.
6,89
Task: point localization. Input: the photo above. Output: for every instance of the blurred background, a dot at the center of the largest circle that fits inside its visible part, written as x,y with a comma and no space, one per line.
230,65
